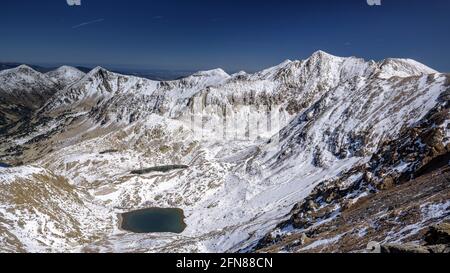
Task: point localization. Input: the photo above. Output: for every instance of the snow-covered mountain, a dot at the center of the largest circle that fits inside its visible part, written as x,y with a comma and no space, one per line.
25,86
65,75
256,146
22,90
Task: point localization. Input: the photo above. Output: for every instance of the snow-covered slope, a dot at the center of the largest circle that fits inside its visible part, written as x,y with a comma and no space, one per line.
40,211
403,68
256,145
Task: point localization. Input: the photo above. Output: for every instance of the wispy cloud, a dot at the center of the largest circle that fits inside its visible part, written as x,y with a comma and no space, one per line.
88,23
158,17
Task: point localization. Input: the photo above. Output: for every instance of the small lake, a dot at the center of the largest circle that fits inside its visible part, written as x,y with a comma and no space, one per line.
154,220
4,165
163,169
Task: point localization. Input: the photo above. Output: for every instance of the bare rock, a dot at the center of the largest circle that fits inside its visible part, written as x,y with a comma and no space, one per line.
438,234
406,248
439,249
386,184
373,247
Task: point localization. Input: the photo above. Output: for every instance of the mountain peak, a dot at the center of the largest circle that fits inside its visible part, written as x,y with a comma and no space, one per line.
285,62
24,66
320,55
319,52
67,68
65,75
272,71
212,72
22,80
240,73
97,69
20,69
399,67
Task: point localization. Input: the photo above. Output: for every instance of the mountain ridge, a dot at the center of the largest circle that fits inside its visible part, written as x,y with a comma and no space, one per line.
316,122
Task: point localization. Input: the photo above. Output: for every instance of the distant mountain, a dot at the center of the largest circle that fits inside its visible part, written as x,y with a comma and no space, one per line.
278,160
65,75
42,69
4,66
158,75
22,91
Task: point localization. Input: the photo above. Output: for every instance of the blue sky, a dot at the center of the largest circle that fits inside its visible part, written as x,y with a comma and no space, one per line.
234,34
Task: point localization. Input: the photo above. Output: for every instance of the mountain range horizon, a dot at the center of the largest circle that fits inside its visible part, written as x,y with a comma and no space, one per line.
166,74
324,154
